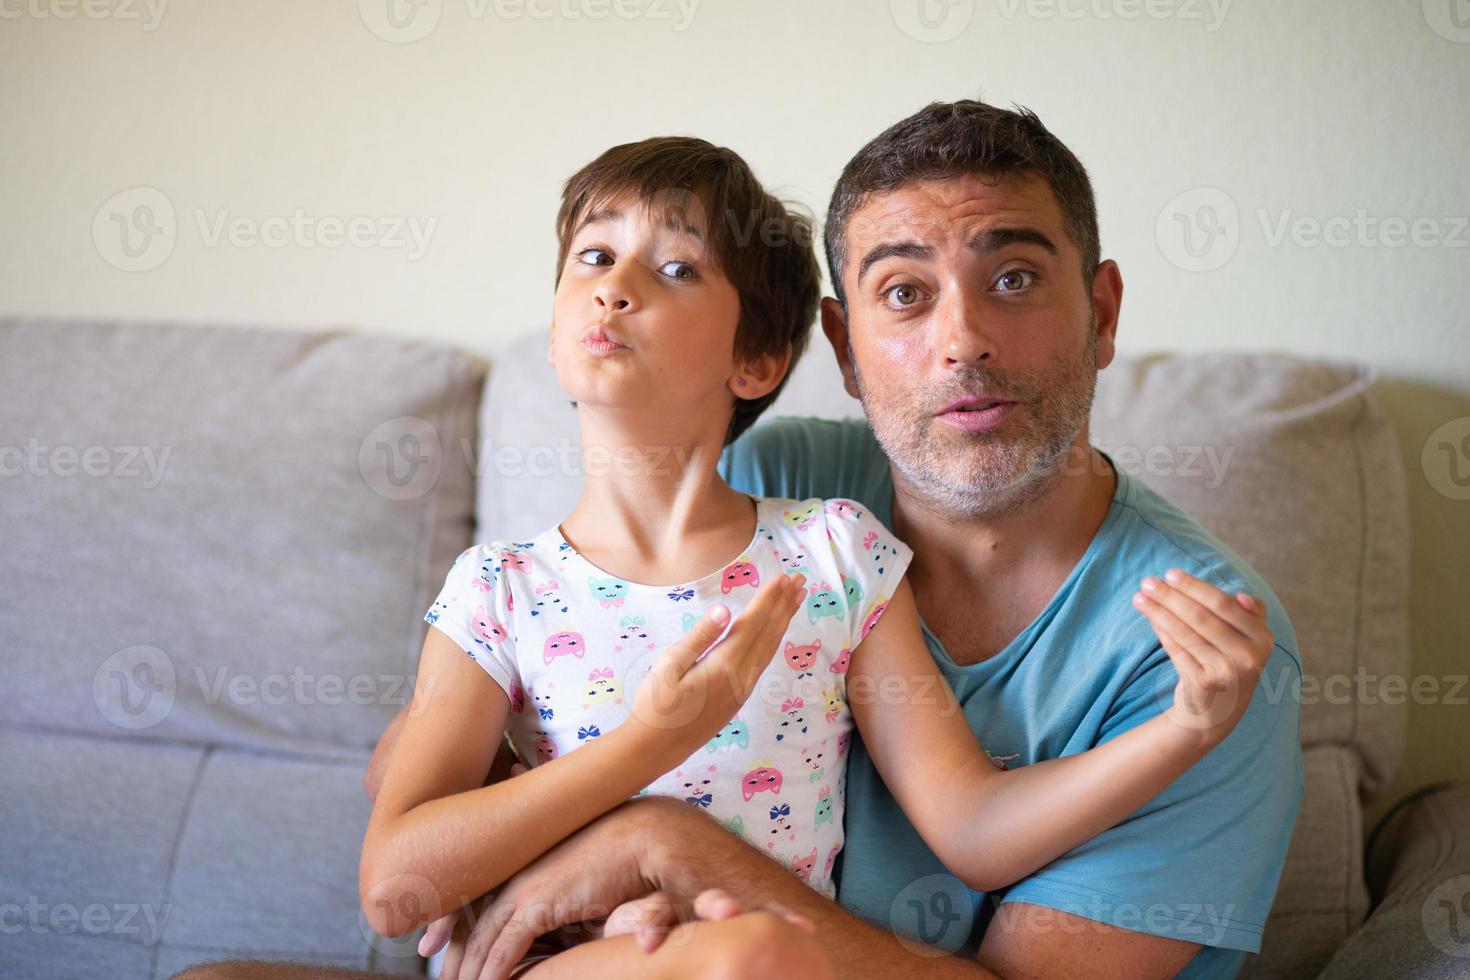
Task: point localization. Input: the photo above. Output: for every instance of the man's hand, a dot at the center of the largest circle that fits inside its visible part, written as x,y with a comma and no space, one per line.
650,918
583,878
1218,643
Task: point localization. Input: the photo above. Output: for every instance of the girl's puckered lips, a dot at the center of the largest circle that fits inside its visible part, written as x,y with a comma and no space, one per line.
600,342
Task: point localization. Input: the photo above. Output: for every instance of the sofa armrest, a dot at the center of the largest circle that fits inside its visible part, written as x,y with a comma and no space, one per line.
1419,874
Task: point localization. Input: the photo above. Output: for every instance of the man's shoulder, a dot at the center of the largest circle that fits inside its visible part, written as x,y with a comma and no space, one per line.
805,457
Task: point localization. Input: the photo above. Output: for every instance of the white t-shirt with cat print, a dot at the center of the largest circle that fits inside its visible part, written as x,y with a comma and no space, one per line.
570,644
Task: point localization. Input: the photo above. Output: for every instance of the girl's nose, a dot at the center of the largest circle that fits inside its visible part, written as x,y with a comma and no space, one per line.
614,295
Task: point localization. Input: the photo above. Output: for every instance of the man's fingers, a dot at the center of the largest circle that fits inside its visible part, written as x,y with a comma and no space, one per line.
511,945
493,922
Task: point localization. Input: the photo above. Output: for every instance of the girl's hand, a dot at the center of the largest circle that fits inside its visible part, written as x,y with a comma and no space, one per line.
1219,645
684,700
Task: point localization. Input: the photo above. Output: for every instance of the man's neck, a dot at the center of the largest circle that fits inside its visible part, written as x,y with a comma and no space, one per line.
979,580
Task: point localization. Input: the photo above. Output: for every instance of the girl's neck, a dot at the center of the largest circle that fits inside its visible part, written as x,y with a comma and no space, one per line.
653,506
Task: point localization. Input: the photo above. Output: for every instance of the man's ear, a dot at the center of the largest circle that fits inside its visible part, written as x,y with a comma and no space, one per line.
1107,301
834,325
758,378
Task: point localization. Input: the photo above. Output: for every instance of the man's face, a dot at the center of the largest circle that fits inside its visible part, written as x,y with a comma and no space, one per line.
974,346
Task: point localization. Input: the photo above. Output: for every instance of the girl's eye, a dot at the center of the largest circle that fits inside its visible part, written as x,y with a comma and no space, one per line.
902,295
679,270
1015,280
594,256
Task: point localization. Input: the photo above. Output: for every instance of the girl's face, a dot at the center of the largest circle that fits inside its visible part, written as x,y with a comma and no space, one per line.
643,319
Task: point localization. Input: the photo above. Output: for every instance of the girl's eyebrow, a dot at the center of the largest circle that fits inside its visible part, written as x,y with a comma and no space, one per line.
600,215
671,221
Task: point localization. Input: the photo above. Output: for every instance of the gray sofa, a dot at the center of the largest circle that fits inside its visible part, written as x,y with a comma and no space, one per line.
218,544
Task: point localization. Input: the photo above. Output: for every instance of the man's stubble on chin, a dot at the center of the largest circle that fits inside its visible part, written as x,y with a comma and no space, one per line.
963,475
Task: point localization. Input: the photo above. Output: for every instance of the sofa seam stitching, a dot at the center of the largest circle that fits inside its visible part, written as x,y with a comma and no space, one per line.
173,859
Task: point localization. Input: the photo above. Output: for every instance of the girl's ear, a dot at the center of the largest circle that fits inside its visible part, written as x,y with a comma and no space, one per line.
759,377
551,344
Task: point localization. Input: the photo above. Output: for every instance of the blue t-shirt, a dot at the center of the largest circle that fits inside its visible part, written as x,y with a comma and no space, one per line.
1201,861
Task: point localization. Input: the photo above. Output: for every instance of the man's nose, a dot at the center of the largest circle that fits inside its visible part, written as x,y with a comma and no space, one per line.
964,337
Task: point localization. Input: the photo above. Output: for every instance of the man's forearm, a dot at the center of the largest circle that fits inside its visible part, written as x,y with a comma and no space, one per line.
691,853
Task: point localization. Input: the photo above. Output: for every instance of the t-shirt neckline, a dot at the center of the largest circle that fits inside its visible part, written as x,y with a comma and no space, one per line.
564,545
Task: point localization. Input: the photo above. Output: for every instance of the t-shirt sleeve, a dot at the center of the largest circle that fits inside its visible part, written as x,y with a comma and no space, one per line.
871,559
1201,861
474,610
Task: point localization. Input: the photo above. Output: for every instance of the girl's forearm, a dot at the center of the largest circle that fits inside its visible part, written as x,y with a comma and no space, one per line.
459,847
999,827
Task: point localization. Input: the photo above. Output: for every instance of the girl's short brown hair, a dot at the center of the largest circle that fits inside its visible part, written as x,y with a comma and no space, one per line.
760,244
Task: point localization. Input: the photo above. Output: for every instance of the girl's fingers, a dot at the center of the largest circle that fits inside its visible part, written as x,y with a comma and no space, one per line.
680,656
762,624
1249,621
647,919
715,904
1212,669
1166,624
1199,619
1184,661
439,932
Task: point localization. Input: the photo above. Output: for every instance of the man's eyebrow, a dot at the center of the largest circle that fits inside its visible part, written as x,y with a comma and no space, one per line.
993,239
888,250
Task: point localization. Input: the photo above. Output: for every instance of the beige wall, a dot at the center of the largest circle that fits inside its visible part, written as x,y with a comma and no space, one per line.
230,114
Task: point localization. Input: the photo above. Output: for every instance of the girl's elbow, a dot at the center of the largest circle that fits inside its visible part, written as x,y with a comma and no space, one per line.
393,903
977,875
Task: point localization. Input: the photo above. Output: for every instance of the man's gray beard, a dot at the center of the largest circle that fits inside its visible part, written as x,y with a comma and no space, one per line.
1017,476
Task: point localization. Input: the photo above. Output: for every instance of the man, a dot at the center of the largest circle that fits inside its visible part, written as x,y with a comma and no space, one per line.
971,316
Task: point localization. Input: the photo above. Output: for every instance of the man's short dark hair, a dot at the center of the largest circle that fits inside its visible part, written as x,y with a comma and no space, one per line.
944,140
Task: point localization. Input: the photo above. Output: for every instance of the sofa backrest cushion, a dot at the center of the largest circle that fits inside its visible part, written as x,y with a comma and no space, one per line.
225,535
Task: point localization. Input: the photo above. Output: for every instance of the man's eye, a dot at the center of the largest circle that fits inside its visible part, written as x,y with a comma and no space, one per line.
679,270
594,256
904,294
1016,279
